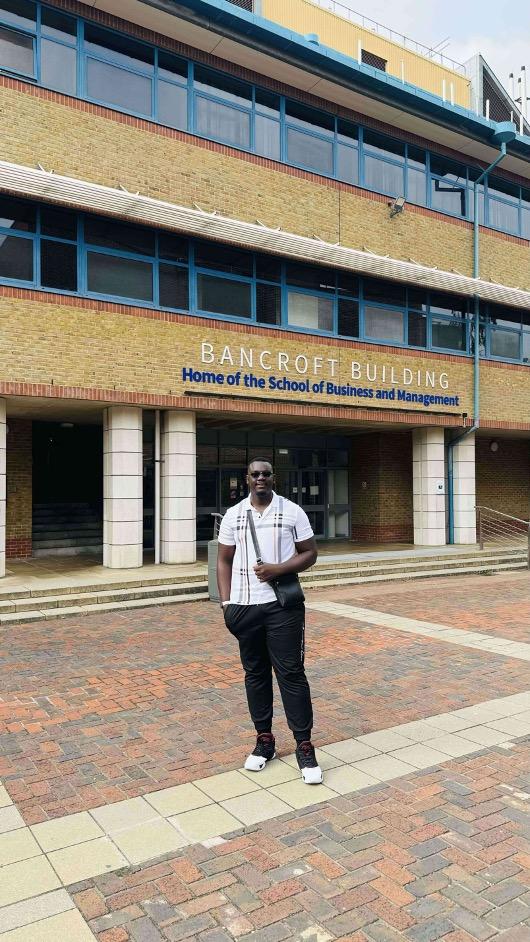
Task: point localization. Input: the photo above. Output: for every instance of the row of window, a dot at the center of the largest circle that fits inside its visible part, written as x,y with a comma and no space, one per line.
80,58
55,249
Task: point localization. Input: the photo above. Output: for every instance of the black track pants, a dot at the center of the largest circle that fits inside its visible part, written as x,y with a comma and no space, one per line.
269,637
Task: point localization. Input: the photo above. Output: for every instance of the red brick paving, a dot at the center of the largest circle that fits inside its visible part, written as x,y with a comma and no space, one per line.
434,863
497,605
106,707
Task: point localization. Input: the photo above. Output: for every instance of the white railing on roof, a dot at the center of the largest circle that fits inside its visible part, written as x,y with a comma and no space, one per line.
334,6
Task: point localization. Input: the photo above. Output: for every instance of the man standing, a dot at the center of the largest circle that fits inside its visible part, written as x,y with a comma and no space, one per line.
269,636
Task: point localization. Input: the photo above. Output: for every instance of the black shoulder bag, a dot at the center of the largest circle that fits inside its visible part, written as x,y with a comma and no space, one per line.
287,588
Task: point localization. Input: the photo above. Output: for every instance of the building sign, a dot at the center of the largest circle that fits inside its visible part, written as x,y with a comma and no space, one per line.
358,377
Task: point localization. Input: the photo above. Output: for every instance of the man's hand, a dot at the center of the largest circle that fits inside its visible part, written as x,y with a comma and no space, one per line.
266,572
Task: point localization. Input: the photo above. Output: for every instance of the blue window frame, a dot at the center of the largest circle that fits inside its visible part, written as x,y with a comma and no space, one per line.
58,250
79,57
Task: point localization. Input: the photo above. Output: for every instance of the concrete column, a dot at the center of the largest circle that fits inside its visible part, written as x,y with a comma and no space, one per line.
3,437
465,523
178,487
122,487
428,457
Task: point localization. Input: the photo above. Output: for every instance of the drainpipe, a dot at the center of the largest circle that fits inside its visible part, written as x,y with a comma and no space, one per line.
156,520
504,133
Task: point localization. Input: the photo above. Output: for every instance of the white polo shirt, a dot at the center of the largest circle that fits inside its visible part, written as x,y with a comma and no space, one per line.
281,525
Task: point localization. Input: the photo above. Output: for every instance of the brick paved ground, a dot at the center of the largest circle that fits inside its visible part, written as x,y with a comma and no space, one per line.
443,854
106,707
498,605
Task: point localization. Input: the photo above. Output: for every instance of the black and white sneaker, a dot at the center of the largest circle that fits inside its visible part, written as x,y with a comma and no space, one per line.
263,752
307,763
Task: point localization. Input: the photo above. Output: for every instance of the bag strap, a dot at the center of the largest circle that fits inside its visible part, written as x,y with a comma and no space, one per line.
254,536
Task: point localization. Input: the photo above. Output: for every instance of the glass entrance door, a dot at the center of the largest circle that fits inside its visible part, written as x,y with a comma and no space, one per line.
307,488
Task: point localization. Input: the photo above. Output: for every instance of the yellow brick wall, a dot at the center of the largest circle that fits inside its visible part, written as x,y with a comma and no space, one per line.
111,153
19,488
381,488
503,477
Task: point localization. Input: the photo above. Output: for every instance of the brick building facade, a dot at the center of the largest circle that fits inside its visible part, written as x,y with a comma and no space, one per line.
208,255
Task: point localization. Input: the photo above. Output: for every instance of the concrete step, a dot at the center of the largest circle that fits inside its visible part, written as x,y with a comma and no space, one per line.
424,574
33,615
196,576
350,562
75,599
380,567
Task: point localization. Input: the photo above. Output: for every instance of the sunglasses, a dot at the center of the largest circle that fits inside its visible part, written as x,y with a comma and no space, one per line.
260,474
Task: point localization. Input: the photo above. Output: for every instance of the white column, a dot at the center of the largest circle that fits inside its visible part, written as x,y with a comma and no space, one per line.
177,488
429,486
465,523
122,487
3,436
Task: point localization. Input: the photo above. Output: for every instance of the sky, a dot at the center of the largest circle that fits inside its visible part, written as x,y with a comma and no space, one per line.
500,31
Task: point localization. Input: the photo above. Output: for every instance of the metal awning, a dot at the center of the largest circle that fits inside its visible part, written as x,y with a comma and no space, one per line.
119,203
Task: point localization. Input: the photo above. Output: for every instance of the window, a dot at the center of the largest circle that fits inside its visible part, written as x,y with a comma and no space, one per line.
16,258
310,311
417,329
119,236
223,258
58,51
448,335
16,52
348,323
173,287
505,344
448,186
227,119
383,324
310,138
384,292
17,214
313,279
268,304
119,70
503,205
120,277
224,296
58,265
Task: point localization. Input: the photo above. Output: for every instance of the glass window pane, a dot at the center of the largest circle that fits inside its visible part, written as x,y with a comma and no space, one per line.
418,298
268,268
347,163
59,67
172,247
309,118
416,157
15,214
503,215
16,51
58,265
385,146
267,137
304,276
504,188
448,335
58,222
449,197
348,325
267,103
171,67
383,324
119,235
505,316
58,26
222,122
310,151
221,296
383,177
18,12
173,105
116,86
223,258
222,86
417,324
16,258
120,277
505,343
449,304
173,289
311,312
526,348
128,52
347,132
268,304
384,292
417,187
347,283
525,223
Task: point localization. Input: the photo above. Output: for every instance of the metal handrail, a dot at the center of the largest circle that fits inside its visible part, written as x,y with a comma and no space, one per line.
510,531
216,524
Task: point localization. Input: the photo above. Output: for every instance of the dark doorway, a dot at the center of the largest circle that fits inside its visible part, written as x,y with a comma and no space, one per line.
67,488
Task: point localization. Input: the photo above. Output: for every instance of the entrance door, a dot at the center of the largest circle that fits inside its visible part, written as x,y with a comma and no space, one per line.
338,504
308,489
